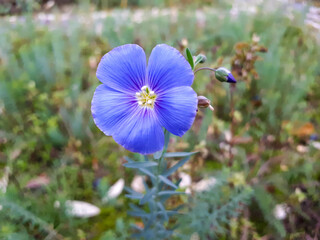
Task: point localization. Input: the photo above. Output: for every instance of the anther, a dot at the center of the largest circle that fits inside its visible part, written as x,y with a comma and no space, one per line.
144,88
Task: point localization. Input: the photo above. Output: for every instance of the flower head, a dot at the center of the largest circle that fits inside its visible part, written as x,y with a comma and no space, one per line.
135,101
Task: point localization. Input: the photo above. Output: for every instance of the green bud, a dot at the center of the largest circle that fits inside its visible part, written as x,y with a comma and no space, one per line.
200,59
224,75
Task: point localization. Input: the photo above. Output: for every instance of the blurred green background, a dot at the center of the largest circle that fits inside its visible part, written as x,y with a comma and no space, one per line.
262,140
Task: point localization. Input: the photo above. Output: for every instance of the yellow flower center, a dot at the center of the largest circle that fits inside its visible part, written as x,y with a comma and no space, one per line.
146,97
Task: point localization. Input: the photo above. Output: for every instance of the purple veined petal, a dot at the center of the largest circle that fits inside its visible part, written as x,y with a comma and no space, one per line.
141,132
167,68
123,68
176,109
110,108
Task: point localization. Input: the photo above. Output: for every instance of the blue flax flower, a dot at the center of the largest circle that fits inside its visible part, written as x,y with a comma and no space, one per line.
135,101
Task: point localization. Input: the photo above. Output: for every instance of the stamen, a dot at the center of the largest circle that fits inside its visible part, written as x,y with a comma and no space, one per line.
144,88
146,97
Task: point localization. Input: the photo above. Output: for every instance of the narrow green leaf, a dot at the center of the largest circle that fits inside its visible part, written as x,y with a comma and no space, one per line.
190,58
134,196
175,167
178,182
171,213
146,187
167,181
170,193
147,197
266,202
140,164
139,214
147,172
129,190
163,211
135,207
178,154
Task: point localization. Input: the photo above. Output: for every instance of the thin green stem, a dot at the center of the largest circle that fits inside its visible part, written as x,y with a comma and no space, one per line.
205,68
160,168
157,173
232,124
160,160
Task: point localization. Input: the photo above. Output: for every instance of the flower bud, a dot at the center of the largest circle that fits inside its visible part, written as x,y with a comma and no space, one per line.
204,102
200,59
224,75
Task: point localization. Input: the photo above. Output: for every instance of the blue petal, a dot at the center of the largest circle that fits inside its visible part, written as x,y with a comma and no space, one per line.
176,109
110,108
231,79
123,68
167,68
141,132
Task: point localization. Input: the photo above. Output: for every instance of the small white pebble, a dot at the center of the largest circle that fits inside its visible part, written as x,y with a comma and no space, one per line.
316,145
81,209
137,184
185,180
280,211
204,184
114,191
302,149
